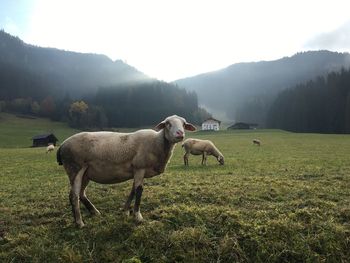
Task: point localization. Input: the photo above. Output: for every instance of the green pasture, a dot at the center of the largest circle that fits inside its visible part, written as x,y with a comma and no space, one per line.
17,131
286,201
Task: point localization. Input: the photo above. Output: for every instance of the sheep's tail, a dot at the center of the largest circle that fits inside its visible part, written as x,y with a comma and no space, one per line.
58,156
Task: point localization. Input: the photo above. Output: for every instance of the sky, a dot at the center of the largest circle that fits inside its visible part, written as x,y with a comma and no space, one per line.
173,39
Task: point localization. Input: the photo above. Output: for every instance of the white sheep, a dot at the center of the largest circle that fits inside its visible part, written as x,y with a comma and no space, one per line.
50,148
257,142
110,157
201,147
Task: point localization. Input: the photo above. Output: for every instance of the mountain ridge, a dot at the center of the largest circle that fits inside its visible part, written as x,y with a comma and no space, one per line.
65,71
238,88
243,91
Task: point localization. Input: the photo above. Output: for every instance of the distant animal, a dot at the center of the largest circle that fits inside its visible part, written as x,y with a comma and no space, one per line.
257,142
201,147
50,148
111,157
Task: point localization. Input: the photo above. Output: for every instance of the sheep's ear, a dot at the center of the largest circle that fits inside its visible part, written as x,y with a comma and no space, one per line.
190,127
160,126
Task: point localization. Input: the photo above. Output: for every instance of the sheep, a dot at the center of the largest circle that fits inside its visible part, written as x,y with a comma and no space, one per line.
50,148
257,142
111,157
201,147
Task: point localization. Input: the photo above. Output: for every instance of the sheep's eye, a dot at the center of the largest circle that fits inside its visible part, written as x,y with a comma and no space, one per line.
168,124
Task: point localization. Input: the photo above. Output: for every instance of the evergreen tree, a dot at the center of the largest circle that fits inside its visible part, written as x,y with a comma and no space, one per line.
322,105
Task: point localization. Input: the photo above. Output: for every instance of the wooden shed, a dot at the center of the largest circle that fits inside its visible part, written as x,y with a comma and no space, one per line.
242,126
44,140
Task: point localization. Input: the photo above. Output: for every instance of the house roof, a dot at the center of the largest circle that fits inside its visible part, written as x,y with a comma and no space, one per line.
43,136
243,123
212,119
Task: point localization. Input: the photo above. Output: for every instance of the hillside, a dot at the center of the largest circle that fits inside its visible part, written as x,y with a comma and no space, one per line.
17,131
245,91
48,82
27,70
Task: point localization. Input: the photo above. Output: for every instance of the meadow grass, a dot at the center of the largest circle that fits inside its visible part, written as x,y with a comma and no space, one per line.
17,131
286,201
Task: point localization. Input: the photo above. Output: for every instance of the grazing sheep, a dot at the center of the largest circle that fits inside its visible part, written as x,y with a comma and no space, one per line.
50,148
257,142
111,157
201,147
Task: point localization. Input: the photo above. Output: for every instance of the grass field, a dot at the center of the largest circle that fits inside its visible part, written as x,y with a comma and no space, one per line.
286,201
17,131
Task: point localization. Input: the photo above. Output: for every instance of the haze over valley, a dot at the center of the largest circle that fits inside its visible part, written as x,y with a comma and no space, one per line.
198,58
245,91
47,81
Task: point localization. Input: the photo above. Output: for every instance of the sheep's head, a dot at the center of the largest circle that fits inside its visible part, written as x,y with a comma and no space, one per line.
174,128
221,159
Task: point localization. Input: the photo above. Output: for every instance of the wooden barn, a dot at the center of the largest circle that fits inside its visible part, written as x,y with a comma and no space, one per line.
44,140
242,126
211,124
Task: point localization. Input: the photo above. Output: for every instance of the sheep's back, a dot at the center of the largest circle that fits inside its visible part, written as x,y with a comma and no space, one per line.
110,146
197,144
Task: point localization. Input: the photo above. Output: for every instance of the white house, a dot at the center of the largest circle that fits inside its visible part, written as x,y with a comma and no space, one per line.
211,124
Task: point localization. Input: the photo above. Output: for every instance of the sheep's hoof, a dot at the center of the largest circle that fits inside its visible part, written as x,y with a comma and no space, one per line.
80,225
138,217
127,213
95,213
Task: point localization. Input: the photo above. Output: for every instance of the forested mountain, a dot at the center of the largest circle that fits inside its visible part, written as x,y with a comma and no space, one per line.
138,104
27,70
320,105
245,91
308,92
86,90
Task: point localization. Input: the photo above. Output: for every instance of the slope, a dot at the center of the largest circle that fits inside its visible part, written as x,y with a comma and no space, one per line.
17,131
245,91
49,71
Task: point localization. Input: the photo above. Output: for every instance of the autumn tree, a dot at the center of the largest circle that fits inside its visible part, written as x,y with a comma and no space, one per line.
78,114
35,107
47,106
2,105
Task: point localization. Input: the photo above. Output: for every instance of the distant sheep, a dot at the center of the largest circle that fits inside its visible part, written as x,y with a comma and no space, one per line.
111,157
257,142
201,147
50,148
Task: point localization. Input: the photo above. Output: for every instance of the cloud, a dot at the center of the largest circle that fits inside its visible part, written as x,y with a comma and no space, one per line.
337,40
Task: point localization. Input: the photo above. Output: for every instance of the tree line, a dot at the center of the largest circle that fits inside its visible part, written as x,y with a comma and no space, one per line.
321,105
135,104
124,105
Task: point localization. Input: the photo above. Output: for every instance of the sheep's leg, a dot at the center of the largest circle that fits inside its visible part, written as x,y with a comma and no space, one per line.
138,186
204,158
129,200
83,198
74,196
186,158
